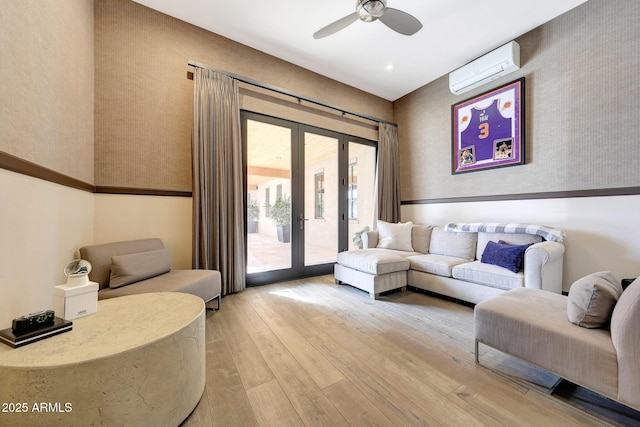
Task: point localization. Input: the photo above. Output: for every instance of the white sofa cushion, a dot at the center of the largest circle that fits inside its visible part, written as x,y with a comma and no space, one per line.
374,261
395,236
461,245
440,265
489,275
421,237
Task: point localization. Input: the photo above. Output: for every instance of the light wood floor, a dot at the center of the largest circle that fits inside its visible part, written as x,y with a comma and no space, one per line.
311,353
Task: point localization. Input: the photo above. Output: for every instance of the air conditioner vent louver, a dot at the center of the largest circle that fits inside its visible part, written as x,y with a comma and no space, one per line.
494,64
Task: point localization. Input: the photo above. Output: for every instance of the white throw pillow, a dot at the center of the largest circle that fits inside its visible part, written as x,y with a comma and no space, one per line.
395,236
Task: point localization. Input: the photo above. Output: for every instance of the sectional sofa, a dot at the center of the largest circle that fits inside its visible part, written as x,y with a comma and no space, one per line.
462,261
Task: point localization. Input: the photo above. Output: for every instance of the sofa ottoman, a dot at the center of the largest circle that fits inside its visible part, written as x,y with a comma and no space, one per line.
372,270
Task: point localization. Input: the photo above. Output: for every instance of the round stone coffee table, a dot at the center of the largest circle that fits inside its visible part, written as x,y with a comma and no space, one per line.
139,360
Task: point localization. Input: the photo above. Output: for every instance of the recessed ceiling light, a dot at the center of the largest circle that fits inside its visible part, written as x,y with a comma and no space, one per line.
389,67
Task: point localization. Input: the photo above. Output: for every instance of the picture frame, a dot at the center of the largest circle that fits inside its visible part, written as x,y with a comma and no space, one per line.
487,130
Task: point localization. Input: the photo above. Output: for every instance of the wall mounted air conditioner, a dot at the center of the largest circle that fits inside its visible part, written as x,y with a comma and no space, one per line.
494,64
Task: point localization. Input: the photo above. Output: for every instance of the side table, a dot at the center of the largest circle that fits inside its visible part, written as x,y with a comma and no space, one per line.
139,360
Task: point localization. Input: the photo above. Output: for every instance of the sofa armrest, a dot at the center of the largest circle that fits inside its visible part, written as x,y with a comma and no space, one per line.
543,266
369,239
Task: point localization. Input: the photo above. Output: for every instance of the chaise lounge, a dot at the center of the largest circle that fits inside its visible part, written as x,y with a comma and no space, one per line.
586,337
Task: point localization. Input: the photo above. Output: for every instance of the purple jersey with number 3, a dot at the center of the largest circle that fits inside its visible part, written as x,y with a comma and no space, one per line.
486,125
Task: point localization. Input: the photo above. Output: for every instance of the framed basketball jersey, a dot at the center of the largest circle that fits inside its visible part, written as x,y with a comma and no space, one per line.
488,129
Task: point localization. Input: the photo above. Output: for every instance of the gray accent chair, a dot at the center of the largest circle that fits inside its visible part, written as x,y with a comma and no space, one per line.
154,271
533,325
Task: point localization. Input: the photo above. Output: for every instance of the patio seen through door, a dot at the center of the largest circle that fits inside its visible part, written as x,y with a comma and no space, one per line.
309,190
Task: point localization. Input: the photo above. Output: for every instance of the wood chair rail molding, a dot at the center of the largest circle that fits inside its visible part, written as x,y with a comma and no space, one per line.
25,167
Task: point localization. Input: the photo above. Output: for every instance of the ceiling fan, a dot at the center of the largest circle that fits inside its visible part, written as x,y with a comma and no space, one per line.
369,11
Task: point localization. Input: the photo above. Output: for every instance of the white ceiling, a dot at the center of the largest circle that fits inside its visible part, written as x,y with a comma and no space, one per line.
454,33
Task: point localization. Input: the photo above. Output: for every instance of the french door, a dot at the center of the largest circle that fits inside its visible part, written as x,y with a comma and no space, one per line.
304,196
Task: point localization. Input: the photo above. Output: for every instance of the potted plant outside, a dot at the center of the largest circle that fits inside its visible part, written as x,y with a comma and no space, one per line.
357,238
253,214
280,213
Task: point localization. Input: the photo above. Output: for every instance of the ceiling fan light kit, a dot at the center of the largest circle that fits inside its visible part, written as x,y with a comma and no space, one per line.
372,10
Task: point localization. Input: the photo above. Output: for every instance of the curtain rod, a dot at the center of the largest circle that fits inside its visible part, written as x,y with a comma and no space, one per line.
289,93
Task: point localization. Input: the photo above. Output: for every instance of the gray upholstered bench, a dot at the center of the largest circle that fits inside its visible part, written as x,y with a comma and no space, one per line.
143,266
372,270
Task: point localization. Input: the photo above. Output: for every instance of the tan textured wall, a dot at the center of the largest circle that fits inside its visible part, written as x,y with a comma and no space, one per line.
143,97
46,84
46,117
582,104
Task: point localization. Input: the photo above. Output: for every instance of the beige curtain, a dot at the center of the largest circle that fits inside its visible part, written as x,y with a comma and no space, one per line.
388,173
218,179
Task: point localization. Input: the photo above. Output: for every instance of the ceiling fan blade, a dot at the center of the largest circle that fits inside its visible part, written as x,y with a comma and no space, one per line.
336,26
401,22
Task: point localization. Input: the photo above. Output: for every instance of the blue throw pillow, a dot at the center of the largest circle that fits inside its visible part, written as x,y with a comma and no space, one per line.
505,255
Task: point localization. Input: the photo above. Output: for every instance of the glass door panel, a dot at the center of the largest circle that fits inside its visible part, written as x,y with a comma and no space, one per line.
321,199
361,174
268,196
309,190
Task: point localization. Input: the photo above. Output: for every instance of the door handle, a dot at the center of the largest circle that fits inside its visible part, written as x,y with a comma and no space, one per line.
301,220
